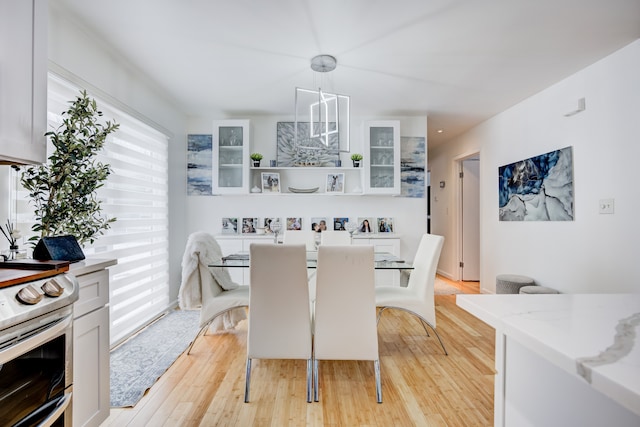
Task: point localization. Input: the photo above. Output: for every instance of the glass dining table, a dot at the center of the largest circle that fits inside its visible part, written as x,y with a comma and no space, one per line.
382,260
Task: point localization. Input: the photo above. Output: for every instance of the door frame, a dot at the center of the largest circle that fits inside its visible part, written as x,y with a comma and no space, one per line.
458,209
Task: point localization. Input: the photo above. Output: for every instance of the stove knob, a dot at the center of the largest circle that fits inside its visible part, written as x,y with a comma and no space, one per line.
29,295
52,289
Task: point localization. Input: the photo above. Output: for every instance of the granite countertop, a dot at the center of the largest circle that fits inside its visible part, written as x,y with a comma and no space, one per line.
593,336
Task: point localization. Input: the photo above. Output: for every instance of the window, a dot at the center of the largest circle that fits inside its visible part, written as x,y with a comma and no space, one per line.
136,193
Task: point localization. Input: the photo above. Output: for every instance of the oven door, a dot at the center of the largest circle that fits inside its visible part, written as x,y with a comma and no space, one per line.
36,371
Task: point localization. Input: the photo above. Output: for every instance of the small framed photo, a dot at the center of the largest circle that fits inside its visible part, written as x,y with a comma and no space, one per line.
270,182
267,225
249,225
385,225
319,224
366,225
229,225
294,224
338,224
335,183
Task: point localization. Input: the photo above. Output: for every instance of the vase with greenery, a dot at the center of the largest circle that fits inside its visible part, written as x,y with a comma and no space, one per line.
356,158
63,190
256,157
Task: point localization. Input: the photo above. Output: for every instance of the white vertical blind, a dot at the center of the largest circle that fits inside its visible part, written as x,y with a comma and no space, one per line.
136,193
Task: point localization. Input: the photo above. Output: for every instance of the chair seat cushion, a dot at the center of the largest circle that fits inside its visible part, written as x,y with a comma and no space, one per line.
225,300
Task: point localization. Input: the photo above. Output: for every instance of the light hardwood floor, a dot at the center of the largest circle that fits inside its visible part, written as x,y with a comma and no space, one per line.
420,385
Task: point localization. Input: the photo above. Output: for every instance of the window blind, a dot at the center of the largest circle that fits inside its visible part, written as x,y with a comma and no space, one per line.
136,193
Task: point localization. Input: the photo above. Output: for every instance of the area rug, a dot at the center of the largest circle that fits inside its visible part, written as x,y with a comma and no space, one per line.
442,288
138,363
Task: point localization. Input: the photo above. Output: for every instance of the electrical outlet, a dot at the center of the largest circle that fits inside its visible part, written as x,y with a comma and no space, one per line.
605,206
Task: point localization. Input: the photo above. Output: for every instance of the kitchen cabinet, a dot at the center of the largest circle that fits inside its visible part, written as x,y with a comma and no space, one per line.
23,81
382,157
91,385
231,160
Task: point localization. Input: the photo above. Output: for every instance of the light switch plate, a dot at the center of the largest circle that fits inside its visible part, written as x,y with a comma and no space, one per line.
605,206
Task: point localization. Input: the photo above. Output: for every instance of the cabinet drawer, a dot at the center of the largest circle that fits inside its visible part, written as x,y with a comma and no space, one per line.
94,292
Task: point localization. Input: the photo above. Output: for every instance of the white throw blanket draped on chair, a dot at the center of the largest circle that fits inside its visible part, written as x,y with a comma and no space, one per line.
201,251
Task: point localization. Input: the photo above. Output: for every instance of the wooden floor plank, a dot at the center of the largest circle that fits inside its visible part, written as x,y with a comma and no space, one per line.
420,385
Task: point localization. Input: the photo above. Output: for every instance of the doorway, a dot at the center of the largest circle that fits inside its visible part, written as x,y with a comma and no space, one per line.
469,218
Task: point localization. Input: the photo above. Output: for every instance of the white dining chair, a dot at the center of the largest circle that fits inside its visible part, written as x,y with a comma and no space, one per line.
345,312
417,297
295,237
280,313
335,238
210,288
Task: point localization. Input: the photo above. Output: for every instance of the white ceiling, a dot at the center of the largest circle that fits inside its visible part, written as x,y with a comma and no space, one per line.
457,62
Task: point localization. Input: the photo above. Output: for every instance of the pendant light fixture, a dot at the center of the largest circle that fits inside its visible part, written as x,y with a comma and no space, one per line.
324,114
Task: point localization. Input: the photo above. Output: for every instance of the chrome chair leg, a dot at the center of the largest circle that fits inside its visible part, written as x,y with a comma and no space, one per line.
200,332
315,379
376,368
247,381
423,322
309,370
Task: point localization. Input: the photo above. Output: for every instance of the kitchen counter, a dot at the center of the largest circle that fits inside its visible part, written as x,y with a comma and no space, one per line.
592,338
10,276
90,265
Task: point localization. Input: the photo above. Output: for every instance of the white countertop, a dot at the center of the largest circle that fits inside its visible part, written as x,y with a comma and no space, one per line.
89,265
593,336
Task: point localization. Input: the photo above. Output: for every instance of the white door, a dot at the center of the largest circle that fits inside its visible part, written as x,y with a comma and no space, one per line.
470,263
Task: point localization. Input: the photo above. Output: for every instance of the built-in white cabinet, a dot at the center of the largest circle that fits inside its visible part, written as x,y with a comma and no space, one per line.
231,162
91,385
23,80
382,157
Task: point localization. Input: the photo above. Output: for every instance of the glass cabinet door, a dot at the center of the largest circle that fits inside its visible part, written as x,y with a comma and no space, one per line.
382,157
231,156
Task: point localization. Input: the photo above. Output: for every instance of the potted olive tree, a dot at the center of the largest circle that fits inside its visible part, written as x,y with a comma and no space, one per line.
63,190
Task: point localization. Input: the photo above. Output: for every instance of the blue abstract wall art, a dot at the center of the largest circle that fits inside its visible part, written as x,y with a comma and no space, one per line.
412,158
537,189
199,164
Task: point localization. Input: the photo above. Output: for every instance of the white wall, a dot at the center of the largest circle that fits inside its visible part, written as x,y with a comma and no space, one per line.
410,214
84,55
594,253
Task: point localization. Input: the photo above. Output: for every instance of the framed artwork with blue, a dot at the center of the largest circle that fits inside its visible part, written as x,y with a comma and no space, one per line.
199,163
539,188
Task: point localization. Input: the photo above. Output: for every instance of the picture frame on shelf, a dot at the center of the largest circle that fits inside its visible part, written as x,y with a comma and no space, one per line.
334,183
385,225
339,223
318,223
366,225
294,224
229,225
267,224
249,225
270,182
